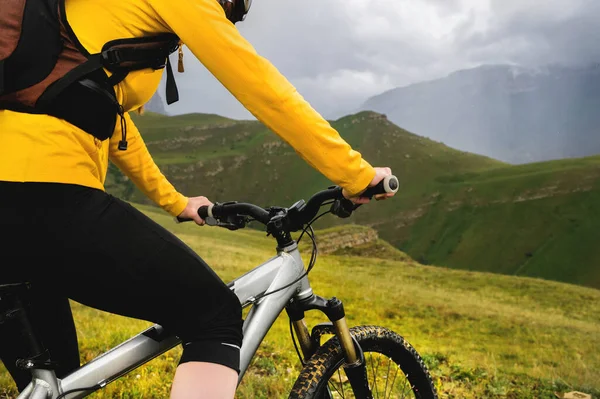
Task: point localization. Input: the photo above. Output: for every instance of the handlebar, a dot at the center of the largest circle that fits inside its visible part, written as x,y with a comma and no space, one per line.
218,211
235,213
388,185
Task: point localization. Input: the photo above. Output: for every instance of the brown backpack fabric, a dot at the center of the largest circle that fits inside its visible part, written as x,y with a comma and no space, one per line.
45,70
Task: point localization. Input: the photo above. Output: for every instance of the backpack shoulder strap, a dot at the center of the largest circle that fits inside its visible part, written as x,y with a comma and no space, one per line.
59,6
118,56
53,7
17,22
1,77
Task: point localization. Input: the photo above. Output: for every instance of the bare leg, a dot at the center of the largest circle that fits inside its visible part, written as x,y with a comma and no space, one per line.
201,380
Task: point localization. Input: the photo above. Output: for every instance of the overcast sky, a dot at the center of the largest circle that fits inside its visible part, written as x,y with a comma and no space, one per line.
340,52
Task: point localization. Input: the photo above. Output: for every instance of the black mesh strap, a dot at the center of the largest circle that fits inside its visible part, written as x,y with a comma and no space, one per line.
93,63
1,77
134,58
124,55
139,52
53,6
18,107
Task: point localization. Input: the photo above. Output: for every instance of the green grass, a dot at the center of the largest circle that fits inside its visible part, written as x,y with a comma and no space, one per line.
483,335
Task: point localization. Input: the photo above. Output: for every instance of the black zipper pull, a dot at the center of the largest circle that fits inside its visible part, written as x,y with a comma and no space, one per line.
123,141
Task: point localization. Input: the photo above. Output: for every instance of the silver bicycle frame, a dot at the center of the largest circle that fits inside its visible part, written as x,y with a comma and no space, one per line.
273,274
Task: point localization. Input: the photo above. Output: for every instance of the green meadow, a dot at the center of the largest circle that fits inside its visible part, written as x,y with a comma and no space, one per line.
483,335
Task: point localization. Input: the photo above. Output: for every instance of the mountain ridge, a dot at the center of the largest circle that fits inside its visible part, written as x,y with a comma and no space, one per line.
507,112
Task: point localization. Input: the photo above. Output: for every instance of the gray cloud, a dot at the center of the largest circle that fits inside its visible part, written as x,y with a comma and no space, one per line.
339,52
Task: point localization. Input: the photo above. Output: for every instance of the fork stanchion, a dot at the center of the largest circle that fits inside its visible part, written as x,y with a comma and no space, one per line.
343,334
303,338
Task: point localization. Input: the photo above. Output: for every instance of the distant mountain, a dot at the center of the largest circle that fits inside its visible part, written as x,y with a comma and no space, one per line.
156,105
510,113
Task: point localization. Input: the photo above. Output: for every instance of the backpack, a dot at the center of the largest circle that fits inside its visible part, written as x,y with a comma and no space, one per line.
44,69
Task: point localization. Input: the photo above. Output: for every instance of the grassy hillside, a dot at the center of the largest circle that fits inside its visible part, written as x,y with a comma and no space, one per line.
231,159
482,335
454,208
537,220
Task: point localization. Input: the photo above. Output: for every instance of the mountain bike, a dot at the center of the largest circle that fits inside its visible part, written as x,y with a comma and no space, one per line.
366,361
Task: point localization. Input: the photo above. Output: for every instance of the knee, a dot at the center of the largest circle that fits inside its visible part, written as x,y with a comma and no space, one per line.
228,322
224,323
217,340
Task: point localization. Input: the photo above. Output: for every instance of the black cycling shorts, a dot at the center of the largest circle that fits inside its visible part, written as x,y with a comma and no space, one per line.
79,243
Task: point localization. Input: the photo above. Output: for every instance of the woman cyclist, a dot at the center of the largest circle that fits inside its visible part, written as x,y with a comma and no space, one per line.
71,240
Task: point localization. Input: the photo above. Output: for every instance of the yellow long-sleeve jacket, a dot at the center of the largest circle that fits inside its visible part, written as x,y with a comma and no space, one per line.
41,148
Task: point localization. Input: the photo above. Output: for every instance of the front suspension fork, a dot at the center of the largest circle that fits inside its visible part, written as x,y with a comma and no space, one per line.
334,309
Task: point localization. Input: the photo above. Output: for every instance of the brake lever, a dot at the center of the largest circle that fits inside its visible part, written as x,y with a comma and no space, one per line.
229,226
343,208
211,221
232,222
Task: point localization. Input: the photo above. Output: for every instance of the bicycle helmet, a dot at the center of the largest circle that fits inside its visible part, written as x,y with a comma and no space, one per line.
235,10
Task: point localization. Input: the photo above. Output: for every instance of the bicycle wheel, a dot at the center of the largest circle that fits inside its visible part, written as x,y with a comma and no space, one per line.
394,368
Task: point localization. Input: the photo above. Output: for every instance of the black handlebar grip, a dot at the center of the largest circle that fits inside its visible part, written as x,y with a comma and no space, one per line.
389,184
204,211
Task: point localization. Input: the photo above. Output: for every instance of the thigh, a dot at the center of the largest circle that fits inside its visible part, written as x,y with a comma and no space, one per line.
104,253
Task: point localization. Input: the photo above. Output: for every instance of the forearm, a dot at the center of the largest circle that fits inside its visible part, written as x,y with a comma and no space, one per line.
138,165
265,92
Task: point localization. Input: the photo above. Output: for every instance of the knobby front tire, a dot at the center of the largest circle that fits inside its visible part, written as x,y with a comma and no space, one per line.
394,368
